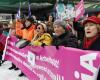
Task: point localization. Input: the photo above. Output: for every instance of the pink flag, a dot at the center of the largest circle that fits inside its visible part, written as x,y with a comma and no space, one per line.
79,10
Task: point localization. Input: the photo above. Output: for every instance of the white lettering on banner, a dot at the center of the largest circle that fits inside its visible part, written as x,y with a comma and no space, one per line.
17,52
16,58
26,65
54,62
51,74
19,60
86,61
41,76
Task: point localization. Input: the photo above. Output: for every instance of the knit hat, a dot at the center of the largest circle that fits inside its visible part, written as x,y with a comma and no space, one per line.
93,19
30,19
44,26
60,23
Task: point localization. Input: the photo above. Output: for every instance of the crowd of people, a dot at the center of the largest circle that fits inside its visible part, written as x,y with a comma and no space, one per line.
84,34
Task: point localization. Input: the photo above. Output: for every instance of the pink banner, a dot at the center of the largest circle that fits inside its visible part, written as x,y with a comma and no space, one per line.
48,63
79,10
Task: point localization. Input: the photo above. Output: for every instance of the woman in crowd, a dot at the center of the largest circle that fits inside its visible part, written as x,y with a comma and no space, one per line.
49,24
12,26
63,37
41,38
27,33
28,29
92,34
18,27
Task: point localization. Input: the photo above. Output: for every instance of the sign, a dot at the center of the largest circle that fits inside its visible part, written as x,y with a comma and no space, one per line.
5,17
49,63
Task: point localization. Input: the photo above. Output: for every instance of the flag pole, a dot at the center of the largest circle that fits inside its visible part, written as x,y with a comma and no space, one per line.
5,48
29,9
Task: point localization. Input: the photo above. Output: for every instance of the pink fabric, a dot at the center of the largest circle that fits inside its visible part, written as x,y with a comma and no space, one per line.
52,64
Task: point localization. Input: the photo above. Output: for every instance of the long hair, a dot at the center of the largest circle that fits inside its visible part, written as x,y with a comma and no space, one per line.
98,28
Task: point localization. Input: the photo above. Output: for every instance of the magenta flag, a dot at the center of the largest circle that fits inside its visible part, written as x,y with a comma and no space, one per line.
49,63
79,10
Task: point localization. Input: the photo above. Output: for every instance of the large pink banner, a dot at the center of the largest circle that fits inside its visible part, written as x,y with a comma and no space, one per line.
79,10
49,63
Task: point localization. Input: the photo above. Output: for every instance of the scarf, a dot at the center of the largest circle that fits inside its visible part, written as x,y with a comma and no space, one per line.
88,42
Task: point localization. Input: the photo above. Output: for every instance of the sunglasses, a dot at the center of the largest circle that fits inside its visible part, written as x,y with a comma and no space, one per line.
38,28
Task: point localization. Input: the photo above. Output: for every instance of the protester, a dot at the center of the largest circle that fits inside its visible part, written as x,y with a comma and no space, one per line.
27,33
78,27
49,24
92,34
28,29
11,25
41,38
18,27
5,29
15,27
62,36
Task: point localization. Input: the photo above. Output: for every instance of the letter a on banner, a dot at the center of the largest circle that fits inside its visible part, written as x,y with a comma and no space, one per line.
87,62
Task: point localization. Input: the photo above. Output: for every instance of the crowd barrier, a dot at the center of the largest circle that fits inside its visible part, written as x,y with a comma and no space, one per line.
49,63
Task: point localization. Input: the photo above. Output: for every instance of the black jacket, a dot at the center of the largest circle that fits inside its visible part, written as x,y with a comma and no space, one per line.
66,39
95,45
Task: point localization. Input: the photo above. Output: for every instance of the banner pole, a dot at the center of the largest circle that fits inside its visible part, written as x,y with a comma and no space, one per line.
4,51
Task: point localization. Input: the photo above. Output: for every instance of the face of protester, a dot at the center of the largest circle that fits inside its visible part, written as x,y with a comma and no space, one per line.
59,30
40,29
27,23
90,29
50,18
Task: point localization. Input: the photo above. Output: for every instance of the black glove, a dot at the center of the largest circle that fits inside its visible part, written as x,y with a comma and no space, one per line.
57,47
43,45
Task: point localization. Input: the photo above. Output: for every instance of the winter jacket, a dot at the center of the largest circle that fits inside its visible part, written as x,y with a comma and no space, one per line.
45,39
66,39
28,34
18,28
